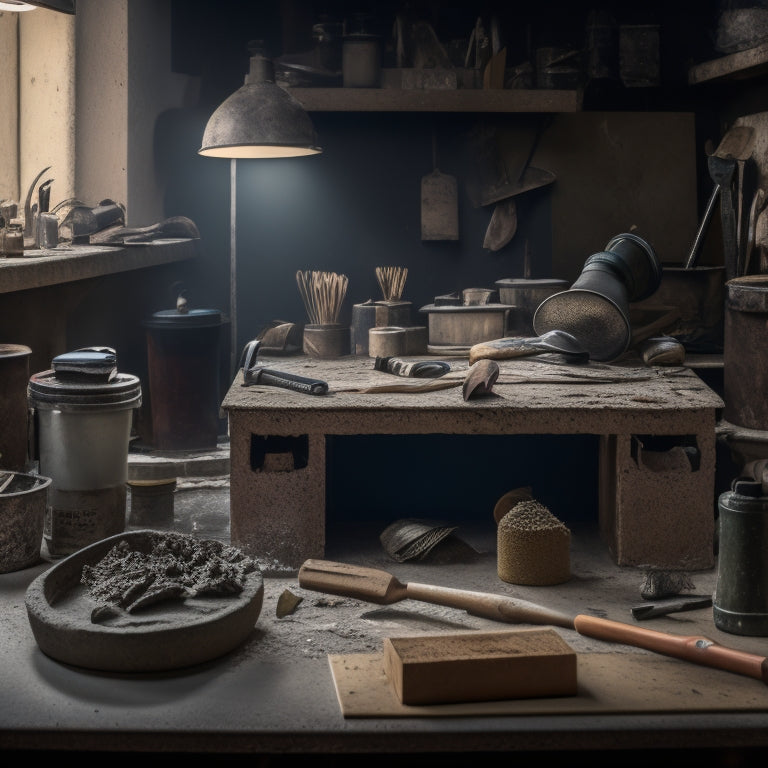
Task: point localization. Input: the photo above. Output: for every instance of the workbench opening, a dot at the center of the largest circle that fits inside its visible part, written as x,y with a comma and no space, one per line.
377,479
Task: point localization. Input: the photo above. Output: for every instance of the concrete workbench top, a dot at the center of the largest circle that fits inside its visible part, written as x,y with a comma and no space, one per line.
530,395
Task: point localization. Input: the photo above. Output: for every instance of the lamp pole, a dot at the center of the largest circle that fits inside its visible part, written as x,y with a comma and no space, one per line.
233,356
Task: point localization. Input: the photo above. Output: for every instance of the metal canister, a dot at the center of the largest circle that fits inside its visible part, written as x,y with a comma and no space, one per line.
740,603
83,426
183,362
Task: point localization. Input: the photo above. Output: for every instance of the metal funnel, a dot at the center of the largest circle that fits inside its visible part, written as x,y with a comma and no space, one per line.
595,310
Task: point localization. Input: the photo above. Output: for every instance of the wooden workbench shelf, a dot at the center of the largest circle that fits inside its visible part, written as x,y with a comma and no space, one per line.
741,65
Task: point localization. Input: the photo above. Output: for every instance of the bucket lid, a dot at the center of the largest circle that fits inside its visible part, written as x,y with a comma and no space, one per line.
193,318
14,350
47,390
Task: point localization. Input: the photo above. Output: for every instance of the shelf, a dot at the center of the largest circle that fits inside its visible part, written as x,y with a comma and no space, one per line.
66,264
420,100
735,66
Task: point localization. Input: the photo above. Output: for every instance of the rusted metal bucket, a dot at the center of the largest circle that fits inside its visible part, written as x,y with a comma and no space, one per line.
745,352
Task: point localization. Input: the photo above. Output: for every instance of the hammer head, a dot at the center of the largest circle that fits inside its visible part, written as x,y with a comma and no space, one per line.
248,358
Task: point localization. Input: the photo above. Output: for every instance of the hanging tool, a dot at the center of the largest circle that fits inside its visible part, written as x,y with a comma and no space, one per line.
257,374
383,588
736,145
693,254
439,202
722,170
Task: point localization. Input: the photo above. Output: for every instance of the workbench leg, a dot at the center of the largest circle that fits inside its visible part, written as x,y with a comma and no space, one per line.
277,497
657,507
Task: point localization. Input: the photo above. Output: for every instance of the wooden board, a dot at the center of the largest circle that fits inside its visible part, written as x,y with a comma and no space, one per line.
609,683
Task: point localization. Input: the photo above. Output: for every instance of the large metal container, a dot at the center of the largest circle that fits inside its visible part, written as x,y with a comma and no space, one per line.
740,603
14,375
745,352
183,361
83,428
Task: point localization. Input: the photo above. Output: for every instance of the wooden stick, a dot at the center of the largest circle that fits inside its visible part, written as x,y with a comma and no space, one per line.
392,281
323,294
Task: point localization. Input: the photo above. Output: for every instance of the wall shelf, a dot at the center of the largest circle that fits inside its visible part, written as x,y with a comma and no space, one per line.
37,269
734,66
420,100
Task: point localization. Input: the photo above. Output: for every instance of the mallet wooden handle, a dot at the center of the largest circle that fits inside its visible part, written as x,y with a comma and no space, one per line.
488,605
697,649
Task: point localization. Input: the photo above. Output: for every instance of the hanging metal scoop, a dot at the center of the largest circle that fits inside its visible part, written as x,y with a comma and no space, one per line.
557,341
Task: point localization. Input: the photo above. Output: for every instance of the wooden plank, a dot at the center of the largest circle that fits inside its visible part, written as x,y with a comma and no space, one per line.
738,65
418,100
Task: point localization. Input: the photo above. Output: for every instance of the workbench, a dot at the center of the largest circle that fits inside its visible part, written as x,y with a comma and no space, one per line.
656,428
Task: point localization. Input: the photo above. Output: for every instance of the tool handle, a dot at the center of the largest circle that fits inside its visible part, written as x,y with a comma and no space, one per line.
699,650
728,221
697,241
488,605
287,381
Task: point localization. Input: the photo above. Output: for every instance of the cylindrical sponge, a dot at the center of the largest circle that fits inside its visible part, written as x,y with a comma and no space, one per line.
533,546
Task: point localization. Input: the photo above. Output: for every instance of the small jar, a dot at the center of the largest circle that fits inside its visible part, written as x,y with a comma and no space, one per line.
361,61
13,239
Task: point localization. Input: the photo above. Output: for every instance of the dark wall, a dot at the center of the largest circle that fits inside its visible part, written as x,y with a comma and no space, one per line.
357,206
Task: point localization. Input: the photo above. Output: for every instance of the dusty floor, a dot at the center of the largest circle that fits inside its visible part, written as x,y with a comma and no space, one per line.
324,624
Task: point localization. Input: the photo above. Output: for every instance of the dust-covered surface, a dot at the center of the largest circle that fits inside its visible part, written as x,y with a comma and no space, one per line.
324,624
321,624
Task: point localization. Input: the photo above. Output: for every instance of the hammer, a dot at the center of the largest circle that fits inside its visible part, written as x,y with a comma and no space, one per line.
257,374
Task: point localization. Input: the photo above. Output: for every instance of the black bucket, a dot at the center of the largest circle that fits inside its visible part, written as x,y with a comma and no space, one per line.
183,364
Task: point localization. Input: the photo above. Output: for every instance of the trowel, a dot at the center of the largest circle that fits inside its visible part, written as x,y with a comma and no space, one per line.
555,341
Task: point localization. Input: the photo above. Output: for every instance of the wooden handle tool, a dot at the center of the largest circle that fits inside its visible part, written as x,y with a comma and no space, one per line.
380,587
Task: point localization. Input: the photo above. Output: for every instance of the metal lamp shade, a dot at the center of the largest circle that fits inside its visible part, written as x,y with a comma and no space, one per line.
259,120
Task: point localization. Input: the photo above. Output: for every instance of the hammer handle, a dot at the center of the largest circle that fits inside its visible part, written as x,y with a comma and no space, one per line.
287,381
699,650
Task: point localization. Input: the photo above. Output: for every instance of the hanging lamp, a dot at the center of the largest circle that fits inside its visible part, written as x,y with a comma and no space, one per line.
260,119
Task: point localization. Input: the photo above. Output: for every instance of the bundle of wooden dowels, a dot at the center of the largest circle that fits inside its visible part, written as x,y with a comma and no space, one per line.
392,282
322,294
